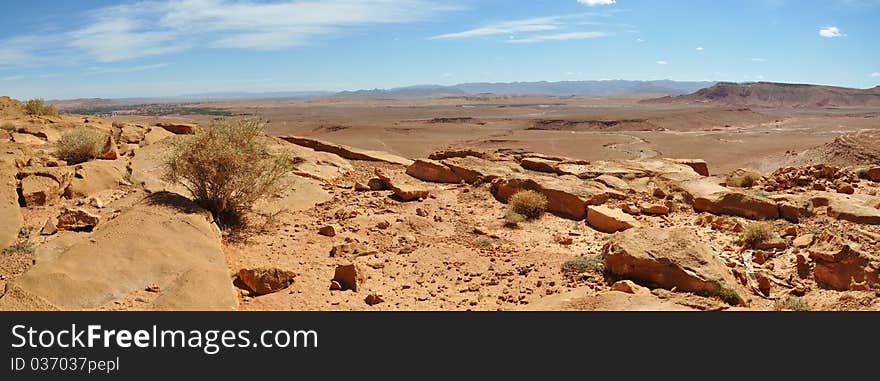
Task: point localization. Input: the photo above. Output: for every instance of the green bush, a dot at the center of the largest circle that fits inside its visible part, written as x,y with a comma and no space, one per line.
80,145
227,168
581,265
528,203
756,233
792,303
512,219
25,247
39,107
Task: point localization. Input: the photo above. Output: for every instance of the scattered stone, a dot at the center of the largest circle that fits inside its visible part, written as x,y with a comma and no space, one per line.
840,264
351,249
657,210
376,184
349,277
49,227
609,220
845,188
329,230
77,219
179,128
373,299
421,212
433,171
262,281
153,288
335,286
803,241
629,287
631,209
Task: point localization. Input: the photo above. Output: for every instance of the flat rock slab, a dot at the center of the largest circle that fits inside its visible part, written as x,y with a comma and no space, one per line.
567,196
10,213
583,300
164,240
607,220
404,187
347,152
670,258
707,196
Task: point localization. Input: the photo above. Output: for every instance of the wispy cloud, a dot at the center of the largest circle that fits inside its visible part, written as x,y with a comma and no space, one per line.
131,69
830,32
758,59
510,27
12,78
875,74
558,37
593,3
662,62
700,49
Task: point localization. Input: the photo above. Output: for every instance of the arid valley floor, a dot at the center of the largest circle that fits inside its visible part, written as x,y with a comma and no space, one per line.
400,204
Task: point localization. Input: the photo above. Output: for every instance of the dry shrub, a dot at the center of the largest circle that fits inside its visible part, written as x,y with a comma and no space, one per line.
512,219
227,168
39,107
528,203
80,145
757,232
791,303
581,265
9,126
746,180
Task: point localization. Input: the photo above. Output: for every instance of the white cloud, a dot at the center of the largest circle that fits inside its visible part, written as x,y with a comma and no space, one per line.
131,69
756,59
830,32
530,25
123,32
875,74
558,37
700,49
12,78
662,62
593,3
639,40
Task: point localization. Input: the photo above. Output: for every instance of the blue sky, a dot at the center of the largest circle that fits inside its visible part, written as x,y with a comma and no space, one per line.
98,48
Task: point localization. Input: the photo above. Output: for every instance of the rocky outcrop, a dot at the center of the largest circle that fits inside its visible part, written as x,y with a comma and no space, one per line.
607,220
76,219
403,188
164,240
262,281
873,174
698,165
670,258
41,186
472,169
708,196
96,176
567,196
861,210
840,265
179,128
347,152
433,171
10,213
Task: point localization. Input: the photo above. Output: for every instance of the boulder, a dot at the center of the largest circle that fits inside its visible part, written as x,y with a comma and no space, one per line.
164,240
95,176
698,165
873,174
613,182
10,213
39,190
262,281
670,258
840,264
351,249
350,277
403,188
472,169
707,196
629,287
155,135
433,171
27,139
567,196
376,184
347,152
803,241
860,210
131,134
330,230
179,128
538,164
109,151
607,220
77,219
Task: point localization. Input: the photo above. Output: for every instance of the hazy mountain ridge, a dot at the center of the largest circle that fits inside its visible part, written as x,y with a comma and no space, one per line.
784,95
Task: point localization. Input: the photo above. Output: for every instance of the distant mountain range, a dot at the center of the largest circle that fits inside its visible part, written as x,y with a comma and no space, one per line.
777,95
609,87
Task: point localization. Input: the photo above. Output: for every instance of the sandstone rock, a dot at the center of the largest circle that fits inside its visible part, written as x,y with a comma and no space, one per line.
373,299
346,151
845,188
609,220
613,182
670,258
109,151
472,169
631,209
39,190
803,241
433,171
131,134
840,264
262,281
376,184
50,227
329,230
96,176
567,196
10,213
163,240
404,189
629,287
854,210
794,210
349,277
699,166
179,128
155,135
873,174
27,139
539,164
659,210
707,196
77,219
583,300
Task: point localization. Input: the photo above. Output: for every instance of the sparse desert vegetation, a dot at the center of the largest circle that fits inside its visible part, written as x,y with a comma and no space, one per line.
39,107
528,203
80,145
756,233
